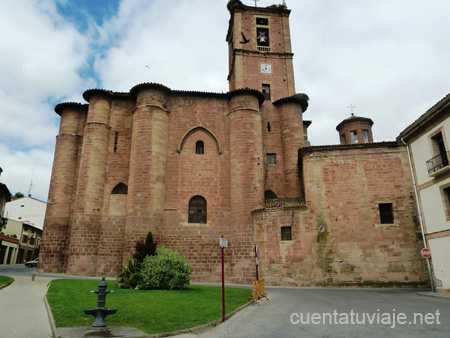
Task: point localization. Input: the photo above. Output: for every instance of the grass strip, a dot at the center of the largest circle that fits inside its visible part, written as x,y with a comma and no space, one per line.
151,311
5,280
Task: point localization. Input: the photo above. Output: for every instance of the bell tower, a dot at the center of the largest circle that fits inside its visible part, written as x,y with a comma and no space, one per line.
260,53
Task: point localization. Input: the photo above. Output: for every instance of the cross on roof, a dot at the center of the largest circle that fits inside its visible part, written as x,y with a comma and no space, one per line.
351,107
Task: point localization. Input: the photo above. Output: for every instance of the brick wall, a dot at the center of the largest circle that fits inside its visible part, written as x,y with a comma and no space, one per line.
338,238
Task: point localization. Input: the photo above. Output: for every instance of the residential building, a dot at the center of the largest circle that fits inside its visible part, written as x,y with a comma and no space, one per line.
428,140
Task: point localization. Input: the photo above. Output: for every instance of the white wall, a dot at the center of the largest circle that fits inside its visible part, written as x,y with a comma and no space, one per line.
422,151
27,209
440,254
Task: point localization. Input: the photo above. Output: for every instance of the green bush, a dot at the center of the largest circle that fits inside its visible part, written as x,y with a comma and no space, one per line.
123,280
166,270
142,249
135,279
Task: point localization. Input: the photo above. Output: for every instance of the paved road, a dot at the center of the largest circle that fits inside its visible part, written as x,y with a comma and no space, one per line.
23,314
273,317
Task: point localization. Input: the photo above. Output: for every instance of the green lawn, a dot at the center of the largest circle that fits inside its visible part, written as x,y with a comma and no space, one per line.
151,311
5,280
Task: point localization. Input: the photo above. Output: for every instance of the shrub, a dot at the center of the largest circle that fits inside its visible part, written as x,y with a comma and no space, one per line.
166,270
135,279
126,272
141,250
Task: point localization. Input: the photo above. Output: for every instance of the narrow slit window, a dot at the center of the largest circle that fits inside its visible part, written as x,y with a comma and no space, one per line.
116,138
365,136
354,136
200,148
268,127
266,91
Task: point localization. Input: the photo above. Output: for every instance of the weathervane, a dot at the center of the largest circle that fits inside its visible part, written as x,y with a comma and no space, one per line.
256,2
351,107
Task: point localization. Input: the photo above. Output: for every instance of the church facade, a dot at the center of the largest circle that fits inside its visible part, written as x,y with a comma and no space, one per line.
193,166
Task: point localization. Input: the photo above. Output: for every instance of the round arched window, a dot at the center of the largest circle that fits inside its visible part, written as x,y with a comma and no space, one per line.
197,210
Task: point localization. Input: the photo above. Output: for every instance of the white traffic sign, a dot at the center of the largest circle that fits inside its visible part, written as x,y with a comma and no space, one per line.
223,242
426,253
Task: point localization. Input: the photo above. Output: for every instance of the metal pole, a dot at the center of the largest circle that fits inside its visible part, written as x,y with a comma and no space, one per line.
256,261
223,288
420,215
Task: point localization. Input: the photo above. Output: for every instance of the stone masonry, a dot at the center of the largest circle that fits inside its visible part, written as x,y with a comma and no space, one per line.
129,163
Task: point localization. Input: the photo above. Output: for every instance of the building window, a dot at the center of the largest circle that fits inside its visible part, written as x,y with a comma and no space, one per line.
386,213
365,136
269,195
266,91
445,193
286,233
120,189
262,21
440,154
268,127
354,136
199,148
343,139
271,159
116,138
262,36
197,210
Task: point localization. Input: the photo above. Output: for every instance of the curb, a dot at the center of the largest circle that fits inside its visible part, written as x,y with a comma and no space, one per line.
198,329
434,294
7,284
55,332
193,330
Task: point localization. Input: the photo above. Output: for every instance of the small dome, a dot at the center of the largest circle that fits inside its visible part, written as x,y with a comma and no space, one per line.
355,129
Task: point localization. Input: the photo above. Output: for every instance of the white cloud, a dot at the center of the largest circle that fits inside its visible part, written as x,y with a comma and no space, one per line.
388,58
42,56
182,43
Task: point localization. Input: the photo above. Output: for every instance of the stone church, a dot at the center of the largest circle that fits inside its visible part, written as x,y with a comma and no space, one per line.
192,166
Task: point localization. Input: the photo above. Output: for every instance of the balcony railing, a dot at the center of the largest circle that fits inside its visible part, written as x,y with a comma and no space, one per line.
284,203
438,162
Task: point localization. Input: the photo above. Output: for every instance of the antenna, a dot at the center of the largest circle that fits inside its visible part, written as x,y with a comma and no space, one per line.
31,183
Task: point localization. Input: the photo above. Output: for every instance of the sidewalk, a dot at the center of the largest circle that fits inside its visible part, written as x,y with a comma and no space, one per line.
22,308
24,315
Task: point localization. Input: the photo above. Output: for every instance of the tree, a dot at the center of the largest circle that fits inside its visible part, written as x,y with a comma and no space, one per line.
18,195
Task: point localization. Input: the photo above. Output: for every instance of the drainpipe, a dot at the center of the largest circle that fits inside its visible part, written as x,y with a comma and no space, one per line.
420,214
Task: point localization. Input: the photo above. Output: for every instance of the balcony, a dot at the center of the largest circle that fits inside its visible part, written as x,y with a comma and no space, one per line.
285,203
438,164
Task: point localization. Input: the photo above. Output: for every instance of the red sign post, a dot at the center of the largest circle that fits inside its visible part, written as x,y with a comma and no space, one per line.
223,244
256,261
426,253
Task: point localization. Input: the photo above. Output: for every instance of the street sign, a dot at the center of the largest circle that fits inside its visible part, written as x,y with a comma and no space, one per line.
223,242
426,253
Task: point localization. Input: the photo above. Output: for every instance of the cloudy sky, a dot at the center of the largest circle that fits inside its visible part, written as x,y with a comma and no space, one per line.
389,58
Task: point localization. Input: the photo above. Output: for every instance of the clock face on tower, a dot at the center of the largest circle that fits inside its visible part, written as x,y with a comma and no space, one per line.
266,68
